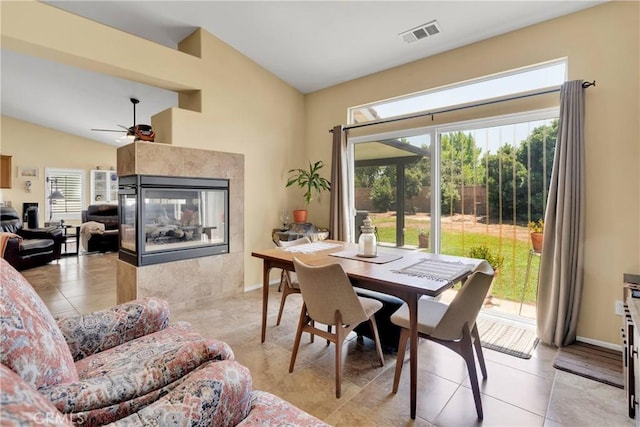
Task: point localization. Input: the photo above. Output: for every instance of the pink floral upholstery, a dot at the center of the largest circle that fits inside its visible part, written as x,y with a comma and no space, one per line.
31,342
270,410
22,405
219,393
99,331
131,368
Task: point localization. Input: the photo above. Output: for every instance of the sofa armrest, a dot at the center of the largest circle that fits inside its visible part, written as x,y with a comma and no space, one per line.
40,233
115,386
270,410
98,331
217,394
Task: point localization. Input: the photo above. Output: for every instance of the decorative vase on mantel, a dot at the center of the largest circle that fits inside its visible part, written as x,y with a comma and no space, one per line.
299,215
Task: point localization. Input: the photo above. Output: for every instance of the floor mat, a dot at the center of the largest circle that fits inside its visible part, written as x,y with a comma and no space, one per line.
593,362
507,338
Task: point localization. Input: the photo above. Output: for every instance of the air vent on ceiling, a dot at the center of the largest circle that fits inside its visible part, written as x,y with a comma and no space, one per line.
422,32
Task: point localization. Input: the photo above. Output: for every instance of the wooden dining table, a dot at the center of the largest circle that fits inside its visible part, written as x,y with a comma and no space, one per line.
398,272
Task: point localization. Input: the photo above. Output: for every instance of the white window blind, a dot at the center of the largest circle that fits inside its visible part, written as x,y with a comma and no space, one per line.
70,182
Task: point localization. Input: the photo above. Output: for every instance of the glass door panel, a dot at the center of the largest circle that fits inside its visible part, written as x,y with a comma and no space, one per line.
493,182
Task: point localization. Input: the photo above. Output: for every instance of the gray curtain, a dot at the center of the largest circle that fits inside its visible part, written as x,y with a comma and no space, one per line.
339,223
561,271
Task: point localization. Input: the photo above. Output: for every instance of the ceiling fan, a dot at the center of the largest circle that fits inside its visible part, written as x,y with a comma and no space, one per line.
135,132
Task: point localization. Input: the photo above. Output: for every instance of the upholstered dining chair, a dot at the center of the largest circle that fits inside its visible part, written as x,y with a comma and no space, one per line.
453,326
289,279
329,298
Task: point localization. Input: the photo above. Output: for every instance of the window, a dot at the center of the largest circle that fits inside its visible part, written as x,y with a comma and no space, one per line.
67,188
549,75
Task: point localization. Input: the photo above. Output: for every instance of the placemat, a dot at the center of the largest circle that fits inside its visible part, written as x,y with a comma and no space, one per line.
309,248
434,269
380,259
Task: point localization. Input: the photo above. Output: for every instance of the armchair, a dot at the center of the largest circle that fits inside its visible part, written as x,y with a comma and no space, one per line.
126,365
99,230
27,248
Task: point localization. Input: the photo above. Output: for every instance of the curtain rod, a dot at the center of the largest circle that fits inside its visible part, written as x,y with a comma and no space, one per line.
480,104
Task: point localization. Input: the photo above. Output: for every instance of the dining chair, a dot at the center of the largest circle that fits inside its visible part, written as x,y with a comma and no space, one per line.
329,298
453,326
289,279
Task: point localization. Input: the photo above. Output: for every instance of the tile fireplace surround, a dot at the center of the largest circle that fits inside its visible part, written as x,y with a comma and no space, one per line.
196,280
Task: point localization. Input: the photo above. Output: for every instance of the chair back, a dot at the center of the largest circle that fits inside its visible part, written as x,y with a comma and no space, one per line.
465,306
10,220
326,289
287,243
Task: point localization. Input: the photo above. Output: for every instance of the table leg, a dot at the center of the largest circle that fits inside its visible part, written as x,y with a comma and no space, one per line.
266,268
413,350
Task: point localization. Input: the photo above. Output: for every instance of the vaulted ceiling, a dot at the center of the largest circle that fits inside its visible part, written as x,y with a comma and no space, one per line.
309,44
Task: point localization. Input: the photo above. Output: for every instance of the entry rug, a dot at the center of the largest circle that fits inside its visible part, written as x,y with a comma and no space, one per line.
593,362
506,338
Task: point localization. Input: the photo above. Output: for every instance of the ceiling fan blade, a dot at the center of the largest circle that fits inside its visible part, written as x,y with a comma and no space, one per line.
124,128
109,130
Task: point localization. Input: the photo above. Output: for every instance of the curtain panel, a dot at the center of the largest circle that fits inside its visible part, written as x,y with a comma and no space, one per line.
339,223
561,271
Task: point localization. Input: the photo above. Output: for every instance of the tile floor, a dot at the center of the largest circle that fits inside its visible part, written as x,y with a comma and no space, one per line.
518,392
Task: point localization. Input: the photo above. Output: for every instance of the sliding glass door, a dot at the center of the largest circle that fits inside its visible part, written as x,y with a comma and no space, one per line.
473,194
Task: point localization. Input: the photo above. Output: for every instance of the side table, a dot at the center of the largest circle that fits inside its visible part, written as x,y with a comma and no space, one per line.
71,240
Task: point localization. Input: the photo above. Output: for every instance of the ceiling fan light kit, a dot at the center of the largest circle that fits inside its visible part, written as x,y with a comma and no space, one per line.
136,132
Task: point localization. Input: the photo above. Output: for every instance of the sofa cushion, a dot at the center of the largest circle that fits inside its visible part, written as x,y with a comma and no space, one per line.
31,344
22,405
216,394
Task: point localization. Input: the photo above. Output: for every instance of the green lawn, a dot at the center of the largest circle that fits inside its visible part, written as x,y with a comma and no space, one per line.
511,277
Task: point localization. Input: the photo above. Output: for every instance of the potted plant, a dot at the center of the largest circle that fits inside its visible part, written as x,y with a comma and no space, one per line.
495,261
536,228
423,237
312,184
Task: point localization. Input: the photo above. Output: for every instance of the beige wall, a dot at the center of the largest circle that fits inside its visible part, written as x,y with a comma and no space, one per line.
36,146
611,57
239,107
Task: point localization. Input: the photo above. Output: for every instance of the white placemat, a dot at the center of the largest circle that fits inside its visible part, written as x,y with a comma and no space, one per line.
309,248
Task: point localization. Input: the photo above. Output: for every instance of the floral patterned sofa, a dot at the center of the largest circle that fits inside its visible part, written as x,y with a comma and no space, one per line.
125,366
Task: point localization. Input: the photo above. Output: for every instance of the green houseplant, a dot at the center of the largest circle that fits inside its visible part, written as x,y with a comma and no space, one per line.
495,261
537,229
311,182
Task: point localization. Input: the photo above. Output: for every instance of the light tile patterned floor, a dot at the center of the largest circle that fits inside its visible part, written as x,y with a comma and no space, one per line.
518,392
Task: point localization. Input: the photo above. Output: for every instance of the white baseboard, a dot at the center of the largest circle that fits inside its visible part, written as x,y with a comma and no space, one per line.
608,345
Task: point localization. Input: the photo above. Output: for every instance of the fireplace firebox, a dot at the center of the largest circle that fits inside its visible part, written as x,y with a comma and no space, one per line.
164,219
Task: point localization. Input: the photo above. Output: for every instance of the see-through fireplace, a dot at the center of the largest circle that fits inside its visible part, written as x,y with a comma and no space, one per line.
164,219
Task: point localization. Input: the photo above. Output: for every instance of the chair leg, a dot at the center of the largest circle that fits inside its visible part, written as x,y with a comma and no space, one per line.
402,348
478,345
466,351
286,291
376,338
339,339
296,343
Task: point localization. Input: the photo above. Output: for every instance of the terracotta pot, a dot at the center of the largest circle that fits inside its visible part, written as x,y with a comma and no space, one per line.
300,215
423,240
536,242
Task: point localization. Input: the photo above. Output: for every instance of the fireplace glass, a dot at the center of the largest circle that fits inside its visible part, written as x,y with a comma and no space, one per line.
165,219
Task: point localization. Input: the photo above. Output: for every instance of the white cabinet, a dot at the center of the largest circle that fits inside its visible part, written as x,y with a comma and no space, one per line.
104,187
